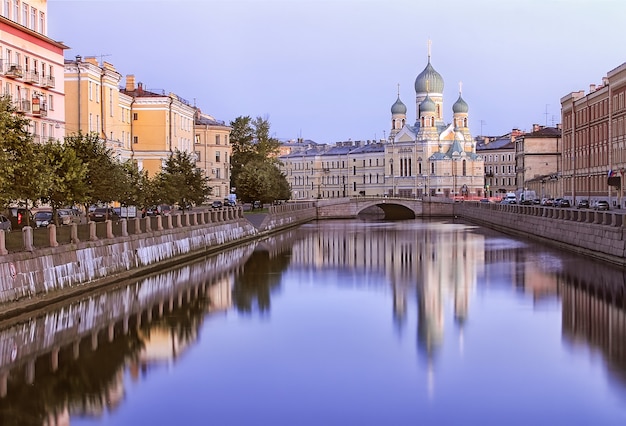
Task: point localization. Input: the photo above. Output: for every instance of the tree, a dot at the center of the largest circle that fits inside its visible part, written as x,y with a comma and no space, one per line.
105,175
67,184
181,181
254,163
134,185
263,181
22,173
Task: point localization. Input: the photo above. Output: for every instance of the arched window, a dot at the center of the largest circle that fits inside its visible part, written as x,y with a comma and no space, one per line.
464,168
432,168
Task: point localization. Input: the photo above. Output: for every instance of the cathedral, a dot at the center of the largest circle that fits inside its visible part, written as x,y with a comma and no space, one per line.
427,158
431,157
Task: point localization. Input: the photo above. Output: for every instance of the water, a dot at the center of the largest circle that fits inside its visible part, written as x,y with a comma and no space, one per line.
337,322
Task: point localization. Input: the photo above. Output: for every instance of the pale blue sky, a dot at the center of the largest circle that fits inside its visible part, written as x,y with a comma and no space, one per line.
329,70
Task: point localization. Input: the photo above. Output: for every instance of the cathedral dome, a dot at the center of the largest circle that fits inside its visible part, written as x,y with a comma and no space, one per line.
429,80
460,106
428,105
398,107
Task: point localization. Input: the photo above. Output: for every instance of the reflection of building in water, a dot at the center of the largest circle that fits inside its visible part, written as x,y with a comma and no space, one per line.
436,259
596,321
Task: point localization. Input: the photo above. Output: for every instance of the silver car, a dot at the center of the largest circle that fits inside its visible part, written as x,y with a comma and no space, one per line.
5,223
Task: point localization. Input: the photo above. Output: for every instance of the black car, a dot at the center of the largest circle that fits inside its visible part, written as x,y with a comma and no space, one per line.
257,205
101,214
564,203
19,217
217,204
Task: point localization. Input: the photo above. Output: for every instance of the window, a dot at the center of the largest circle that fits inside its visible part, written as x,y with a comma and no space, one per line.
90,90
33,19
111,102
16,11
7,9
198,156
135,117
90,122
217,139
25,14
135,139
42,23
217,156
51,102
97,93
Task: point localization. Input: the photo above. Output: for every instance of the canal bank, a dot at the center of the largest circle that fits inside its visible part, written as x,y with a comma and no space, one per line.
36,278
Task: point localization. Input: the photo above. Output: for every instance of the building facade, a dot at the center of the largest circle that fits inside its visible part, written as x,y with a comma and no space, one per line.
213,152
96,105
594,140
31,67
160,124
499,156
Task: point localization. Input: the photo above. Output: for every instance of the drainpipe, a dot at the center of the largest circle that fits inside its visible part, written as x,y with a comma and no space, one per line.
132,136
102,109
78,61
170,119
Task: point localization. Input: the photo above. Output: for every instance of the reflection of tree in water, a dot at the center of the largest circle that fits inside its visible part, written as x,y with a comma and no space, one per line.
76,383
260,275
88,385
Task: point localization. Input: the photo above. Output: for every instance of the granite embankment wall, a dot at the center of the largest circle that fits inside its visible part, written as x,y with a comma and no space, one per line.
83,266
598,234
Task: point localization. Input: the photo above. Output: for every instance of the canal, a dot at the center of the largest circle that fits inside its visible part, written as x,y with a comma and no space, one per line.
434,322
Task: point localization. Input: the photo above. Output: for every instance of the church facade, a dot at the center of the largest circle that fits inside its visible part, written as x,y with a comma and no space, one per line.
428,158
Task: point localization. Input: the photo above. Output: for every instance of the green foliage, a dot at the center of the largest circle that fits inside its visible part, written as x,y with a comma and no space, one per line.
254,164
105,174
22,174
180,182
134,185
263,181
67,184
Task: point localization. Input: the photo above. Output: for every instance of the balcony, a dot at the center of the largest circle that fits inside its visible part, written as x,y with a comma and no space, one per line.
40,109
14,71
22,105
47,82
32,77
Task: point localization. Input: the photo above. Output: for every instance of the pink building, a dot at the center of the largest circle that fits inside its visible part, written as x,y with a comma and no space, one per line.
31,67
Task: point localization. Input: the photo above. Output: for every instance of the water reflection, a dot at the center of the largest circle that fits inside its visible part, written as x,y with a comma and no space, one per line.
78,361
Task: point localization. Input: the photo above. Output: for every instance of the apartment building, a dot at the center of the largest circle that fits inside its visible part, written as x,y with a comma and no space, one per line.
538,161
31,67
498,153
594,140
160,124
213,152
94,103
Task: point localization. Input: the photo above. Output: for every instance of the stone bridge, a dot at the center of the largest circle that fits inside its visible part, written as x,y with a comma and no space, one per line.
394,208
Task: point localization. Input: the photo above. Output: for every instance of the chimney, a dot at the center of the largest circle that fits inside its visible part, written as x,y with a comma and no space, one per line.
140,87
130,83
592,88
536,127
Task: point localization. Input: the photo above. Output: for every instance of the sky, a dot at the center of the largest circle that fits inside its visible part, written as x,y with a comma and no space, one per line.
329,70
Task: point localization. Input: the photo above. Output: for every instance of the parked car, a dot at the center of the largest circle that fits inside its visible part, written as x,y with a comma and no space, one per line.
100,214
601,205
69,216
5,223
229,203
164,209
257,205
43,218
19,217
217,204
150,211
564,203
583,204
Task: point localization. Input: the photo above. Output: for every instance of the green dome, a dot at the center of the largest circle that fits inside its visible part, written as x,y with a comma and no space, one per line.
460,106
429,81
398,107
428,105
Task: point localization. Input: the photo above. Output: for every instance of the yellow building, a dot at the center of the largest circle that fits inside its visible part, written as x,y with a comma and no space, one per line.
95,104
213,152
160,124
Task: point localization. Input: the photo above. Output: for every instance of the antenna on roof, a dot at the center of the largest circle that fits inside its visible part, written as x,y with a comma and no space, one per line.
546,114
